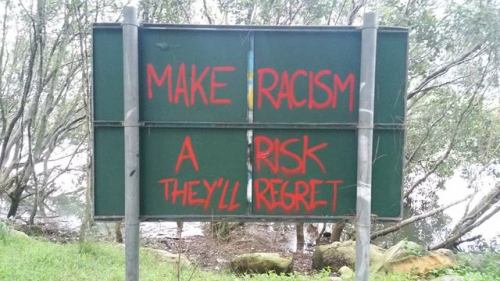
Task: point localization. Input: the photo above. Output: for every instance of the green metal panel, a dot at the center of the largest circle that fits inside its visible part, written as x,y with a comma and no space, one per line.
108,74
322,60
339,52
220,157
204,54
338,156
387,169
109,172
108,169
297,53
329,164
390,77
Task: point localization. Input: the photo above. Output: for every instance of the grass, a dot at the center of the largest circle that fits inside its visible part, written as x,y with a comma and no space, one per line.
4,231
35,259
24,258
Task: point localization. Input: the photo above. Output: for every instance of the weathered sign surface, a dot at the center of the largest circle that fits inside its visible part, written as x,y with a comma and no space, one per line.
248,123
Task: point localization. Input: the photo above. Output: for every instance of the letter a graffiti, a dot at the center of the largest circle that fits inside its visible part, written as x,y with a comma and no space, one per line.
187,152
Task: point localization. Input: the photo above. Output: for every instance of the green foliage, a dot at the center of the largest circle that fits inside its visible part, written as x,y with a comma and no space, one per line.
394,277
474,267
486,263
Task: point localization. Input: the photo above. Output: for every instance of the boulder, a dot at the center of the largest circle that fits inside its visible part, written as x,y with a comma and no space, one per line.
169,257
445,252
404,249
419,264
19,234
343,253
410,257
404,257
261,263
346,273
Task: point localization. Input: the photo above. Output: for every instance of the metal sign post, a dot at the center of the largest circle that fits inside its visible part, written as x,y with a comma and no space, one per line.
365,143
131,140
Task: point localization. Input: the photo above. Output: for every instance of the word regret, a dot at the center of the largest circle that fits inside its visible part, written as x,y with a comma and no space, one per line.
188,85
293,196
279,185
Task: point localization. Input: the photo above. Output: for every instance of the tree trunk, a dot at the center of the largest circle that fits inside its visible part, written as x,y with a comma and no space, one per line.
35,207
321,234
118,232
180,225
337,231
299,228
15,199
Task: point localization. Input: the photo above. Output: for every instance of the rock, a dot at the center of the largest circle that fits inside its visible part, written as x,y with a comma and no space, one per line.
410,257
404,249
169,257
419,265
221,261
346,273
261,263
335,278
449,278
343,253
19,234
445,252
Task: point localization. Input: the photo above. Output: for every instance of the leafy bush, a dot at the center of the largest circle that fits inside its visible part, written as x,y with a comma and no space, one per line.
474,267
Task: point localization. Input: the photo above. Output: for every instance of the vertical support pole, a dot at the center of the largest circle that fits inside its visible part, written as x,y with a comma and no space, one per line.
131,135
250,82
365,142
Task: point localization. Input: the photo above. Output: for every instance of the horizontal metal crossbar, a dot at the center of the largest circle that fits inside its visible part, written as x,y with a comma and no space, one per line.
246,218
255,125
249,28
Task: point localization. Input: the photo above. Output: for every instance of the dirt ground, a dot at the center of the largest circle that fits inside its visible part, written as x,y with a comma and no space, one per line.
215,254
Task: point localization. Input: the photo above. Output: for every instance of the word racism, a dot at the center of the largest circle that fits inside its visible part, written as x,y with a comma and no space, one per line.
270,194
202,85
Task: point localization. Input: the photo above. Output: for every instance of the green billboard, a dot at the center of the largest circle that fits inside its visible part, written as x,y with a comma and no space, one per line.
248,123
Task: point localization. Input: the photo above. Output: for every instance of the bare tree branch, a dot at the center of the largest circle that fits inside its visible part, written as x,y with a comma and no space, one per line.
356,6
442,70
426,136
447,152
206,12
414,219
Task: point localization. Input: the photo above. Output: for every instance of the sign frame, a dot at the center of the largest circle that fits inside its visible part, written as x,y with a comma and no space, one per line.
246,126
